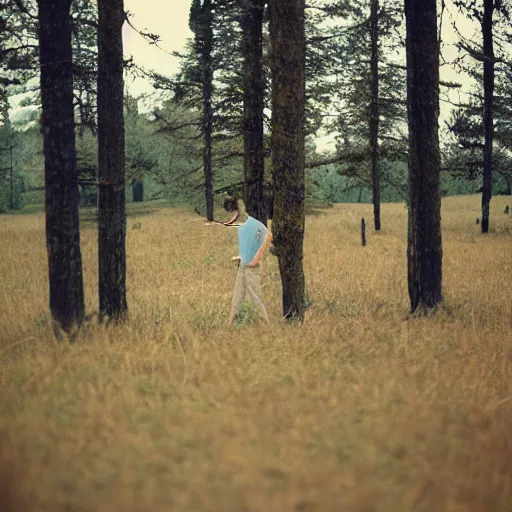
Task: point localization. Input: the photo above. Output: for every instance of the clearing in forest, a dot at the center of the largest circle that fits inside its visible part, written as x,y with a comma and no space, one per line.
358,409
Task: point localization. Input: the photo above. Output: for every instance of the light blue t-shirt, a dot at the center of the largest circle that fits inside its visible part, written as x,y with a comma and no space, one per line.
251,235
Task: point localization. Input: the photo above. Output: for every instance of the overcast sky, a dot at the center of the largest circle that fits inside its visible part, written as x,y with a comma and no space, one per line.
169,19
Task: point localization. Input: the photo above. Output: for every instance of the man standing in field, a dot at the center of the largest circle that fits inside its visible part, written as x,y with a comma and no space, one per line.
253,240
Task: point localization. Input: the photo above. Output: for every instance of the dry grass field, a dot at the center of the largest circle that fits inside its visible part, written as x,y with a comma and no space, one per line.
359,409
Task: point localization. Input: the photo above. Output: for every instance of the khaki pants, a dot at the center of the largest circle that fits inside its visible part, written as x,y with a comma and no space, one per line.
247,285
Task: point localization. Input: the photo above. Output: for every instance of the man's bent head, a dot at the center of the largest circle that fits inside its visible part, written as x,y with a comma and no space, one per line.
230,204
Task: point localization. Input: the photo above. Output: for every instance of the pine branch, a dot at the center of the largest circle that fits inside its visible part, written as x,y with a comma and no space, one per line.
341,33
24,10
170,128
451,85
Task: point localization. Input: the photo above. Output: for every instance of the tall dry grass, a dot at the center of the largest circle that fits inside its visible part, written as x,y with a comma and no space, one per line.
359,409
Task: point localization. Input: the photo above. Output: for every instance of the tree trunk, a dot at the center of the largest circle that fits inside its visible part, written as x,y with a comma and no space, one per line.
254,90
4,107
269,198
137,191
288,152
374,111
61,188
424,254
488,115
111,166
206,41
11,180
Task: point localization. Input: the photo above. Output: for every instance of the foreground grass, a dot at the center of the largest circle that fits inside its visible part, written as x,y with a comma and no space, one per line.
359,409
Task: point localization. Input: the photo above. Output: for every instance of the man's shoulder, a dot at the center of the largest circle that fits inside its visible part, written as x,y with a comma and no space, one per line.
256,223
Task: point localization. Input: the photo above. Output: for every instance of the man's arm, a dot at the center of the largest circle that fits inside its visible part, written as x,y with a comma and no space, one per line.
261,250
230,222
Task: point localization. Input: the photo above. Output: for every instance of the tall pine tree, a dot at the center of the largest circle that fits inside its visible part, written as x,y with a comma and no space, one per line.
61,201
493,27
201,24
374,110
488,47
287,32
111,161
424,248
254,102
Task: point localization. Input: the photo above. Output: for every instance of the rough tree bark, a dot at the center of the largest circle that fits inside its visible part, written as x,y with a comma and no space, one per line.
206,43
374,111
424,254
288,153
61,188
111,163
488,114
254,90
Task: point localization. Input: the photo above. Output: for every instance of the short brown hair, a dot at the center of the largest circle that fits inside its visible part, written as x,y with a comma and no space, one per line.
230,204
